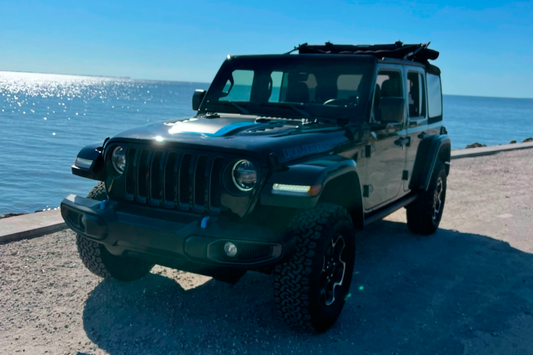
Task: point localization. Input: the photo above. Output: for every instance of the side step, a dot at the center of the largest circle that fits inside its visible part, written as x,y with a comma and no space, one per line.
380,214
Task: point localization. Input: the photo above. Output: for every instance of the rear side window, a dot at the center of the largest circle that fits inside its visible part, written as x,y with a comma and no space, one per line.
434,98
417,95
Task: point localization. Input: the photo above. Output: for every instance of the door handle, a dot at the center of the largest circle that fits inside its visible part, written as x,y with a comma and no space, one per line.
422,135
403,142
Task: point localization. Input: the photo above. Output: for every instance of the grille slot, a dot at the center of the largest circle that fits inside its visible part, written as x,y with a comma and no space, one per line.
216,184
170,179
199,185
130,174
185,181
143,176
156,178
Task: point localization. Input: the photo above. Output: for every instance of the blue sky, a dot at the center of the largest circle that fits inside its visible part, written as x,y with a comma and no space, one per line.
486,46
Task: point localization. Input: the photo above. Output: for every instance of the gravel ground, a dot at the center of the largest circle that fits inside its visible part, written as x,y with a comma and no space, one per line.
465,290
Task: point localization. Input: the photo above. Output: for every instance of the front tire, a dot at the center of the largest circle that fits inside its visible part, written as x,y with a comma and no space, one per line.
310,289
424,214
101,262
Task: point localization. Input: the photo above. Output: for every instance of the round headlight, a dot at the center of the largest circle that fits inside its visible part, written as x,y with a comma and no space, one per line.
244,175
118,158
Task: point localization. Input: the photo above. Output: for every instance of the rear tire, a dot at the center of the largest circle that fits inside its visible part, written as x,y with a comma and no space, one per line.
101,262
424,214
310,289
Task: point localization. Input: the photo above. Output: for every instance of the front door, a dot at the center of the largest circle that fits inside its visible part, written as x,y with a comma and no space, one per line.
385,153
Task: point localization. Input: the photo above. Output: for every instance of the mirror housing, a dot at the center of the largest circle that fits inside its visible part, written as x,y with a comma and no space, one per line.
197,99
392,109
93,155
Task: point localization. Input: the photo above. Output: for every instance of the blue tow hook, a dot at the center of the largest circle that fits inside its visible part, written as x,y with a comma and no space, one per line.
102,204
203,224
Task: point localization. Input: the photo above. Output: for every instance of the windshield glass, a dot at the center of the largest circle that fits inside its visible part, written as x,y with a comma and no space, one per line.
310,86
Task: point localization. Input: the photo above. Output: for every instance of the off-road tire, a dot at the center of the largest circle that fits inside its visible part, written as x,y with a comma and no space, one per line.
421,216
102,263
297,282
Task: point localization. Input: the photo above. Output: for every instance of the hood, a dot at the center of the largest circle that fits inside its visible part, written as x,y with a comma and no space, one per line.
247,135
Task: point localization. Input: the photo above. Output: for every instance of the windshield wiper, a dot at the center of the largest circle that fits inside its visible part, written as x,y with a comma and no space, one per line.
293,107
240,108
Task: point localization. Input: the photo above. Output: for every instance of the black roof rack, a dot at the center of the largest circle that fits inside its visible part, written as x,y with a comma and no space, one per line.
412,52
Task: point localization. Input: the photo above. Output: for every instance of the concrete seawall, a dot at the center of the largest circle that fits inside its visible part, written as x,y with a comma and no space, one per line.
38,224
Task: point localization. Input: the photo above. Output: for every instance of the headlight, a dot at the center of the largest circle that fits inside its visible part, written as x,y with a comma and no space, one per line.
118,158
244,175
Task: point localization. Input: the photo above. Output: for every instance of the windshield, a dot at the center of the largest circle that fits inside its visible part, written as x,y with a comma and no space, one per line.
309,86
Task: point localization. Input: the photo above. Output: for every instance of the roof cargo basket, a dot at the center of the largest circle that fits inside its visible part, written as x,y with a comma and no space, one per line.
413,52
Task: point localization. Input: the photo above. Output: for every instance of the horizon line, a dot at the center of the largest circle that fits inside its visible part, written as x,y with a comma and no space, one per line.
201,82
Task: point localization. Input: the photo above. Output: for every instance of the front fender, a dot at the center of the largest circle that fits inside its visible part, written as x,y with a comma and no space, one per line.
318,171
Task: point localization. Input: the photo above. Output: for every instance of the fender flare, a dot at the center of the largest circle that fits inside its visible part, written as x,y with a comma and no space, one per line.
431,150
96,171
318,171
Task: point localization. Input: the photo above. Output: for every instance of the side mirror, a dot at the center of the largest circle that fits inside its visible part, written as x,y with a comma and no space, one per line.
392,109
197,99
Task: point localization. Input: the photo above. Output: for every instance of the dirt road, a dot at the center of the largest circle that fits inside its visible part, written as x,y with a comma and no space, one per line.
468,289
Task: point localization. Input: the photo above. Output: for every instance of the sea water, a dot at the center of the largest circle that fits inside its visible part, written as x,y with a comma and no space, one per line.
45,119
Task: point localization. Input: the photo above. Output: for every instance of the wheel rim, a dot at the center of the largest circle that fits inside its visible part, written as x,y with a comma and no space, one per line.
437,198
333,270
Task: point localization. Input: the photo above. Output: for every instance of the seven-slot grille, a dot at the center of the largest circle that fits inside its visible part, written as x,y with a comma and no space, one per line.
174,179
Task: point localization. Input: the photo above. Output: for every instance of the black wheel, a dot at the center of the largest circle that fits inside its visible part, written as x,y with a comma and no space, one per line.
424,214
102,263
310,289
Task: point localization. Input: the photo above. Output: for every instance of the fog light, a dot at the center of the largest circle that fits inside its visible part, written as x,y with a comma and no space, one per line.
83,222
230,249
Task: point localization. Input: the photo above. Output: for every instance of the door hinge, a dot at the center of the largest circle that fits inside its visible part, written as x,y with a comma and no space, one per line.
367,190
367,152
405,175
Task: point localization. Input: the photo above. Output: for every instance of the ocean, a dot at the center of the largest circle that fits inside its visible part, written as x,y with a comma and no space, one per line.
45,119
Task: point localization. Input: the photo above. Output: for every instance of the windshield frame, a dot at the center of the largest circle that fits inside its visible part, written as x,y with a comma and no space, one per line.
362,64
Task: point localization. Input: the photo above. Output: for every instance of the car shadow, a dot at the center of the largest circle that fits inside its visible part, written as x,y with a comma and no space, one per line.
448,293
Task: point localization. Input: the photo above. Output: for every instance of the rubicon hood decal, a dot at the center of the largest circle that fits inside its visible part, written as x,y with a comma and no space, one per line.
306,149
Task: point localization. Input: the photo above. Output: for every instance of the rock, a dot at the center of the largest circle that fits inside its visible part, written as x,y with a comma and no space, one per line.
11,215
512,142
530,139
475,145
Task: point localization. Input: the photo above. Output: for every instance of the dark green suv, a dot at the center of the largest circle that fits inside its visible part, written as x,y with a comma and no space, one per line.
286,158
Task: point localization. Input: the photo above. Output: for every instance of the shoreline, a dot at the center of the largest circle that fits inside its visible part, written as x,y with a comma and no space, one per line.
474,149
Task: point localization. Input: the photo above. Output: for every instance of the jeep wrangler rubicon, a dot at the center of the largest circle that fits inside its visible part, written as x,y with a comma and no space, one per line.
287,156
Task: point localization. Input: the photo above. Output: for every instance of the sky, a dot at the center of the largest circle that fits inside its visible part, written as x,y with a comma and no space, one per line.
486,46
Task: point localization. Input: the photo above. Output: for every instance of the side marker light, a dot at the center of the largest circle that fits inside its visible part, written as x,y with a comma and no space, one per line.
296,190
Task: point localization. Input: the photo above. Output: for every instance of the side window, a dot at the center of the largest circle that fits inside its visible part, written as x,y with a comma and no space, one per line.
417,95
389,91
434,98
241,87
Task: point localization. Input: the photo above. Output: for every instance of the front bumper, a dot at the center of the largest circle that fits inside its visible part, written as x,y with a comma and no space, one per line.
176,239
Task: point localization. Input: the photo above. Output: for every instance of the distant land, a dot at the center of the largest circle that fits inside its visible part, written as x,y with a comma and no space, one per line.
102,76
